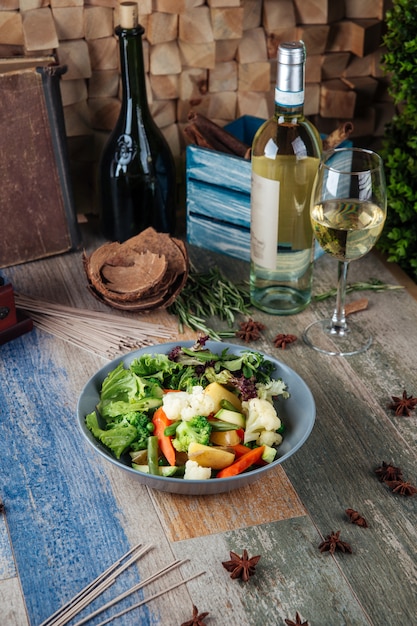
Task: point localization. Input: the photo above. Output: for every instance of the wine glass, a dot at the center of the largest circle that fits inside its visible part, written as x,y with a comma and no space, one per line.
348,211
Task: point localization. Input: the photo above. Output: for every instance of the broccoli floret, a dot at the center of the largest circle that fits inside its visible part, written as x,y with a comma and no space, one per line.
144,428
197,429
118,438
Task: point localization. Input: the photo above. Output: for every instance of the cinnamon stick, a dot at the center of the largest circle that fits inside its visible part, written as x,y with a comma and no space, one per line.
202,132
356,306
337,136
208,134
204,140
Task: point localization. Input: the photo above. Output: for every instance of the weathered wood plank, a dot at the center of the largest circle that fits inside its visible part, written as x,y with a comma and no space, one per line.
272,498
7,565
12,604
292,575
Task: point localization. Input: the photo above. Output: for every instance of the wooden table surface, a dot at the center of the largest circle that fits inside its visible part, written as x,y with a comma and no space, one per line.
69,514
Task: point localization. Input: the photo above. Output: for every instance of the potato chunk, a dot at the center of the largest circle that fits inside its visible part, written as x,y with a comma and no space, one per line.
218,393
209,456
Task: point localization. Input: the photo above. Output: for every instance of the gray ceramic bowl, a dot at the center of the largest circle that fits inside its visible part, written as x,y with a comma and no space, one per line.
297,412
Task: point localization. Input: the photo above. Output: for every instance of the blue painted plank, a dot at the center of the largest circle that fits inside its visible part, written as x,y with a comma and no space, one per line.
76,532
218,237
223,205
228,171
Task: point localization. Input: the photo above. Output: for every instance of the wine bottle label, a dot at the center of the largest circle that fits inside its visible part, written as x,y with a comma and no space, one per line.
264,221
125,153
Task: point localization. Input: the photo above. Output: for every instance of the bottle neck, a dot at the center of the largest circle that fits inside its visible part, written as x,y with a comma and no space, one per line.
288,113
289,90
132,67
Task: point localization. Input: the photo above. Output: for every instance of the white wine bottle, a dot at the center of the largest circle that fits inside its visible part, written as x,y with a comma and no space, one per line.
285,156
137,173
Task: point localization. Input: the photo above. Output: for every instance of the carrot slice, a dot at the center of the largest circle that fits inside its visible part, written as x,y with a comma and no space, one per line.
239,449
243,462
160,422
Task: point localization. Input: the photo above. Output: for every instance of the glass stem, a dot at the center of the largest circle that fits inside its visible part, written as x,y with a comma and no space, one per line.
339,326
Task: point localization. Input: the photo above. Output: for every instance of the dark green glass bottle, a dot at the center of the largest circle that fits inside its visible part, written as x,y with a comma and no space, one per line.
137,172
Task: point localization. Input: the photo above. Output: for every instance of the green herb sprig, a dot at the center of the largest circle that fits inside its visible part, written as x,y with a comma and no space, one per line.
210,294
374,285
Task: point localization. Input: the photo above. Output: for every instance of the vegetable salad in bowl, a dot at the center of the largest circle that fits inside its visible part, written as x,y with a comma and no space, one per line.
198,418
191,413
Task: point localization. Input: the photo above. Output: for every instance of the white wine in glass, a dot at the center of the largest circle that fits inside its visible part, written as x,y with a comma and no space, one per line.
348,211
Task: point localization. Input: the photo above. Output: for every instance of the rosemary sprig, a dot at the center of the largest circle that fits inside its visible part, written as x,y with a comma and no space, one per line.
374,284
210,294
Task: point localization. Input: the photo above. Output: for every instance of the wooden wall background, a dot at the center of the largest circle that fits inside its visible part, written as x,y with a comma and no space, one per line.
214,56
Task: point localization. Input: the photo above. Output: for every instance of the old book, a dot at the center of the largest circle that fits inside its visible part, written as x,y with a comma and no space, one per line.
37,213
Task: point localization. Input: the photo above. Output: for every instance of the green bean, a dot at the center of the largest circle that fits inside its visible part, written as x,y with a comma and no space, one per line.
171,429
220,426
153,455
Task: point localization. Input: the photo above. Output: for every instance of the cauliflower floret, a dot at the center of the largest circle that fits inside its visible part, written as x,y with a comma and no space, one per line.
193,471
269,438
271,389
260,417
182,405
173,404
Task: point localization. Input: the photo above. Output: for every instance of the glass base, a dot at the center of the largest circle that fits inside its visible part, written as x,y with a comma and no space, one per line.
342,342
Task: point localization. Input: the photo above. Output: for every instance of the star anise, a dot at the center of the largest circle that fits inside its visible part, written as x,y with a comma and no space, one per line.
403,405
197,619
356,518
241,566
333,543
386,471
282,340
403,488
297,622
250,330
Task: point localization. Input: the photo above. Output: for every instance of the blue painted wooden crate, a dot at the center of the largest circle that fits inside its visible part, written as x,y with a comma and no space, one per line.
218,195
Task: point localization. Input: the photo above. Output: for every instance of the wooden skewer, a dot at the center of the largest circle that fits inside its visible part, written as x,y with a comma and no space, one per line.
98,590
91,591
146,600
127,593
93,584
